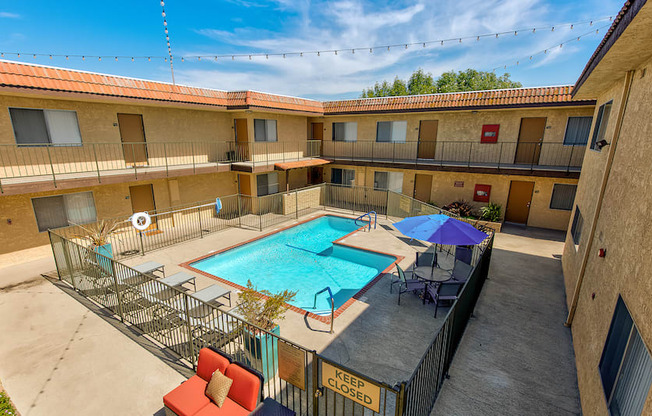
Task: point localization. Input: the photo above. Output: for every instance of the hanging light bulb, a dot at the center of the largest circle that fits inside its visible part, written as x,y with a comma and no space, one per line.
534,30
284,54
597,30
149,58
424,44
552,29
2,55
162,4
460,40
335,54
571,26
591,23
515,32
301,54
215,58
266,56
66,57
50,56
478,38
353,51
250,57
406,46
199,58
132,58
34,56
83,58
371,50
182,60
496,35
116,59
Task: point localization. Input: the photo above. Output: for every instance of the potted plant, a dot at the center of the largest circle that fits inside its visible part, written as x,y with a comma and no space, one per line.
98,234
264,313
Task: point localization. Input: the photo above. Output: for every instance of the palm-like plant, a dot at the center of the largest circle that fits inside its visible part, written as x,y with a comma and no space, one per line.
98,233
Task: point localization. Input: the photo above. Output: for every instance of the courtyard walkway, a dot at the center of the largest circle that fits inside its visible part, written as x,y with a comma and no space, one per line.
516,356
58,356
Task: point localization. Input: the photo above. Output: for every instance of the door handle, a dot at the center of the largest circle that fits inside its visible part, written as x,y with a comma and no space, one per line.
528,204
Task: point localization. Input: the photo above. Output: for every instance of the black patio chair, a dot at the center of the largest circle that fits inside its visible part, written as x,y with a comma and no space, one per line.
464,253
444,292
407,285
461,271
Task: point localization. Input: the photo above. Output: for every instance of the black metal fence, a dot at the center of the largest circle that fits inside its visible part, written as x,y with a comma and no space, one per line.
183,324
462,153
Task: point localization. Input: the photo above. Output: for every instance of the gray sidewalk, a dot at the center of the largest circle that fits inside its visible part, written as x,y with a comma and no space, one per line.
516,356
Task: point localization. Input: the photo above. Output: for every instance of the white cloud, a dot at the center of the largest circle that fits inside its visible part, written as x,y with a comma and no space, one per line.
8,15
356,24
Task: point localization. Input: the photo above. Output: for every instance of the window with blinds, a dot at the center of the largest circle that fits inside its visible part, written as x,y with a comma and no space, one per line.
392,181
563,196
391,131
625,365
265,130
35,126
344,177
577,131
64,210
267,183
345,132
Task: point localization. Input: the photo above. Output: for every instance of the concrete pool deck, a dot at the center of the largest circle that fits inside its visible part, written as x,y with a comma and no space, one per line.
361,337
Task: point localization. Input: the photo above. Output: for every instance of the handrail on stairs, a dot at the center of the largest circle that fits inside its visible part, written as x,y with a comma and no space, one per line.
330,293
368,214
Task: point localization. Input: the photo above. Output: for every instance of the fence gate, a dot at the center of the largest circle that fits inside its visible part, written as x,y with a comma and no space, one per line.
338,390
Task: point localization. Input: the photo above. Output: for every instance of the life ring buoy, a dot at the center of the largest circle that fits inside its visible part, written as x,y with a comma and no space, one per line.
141,221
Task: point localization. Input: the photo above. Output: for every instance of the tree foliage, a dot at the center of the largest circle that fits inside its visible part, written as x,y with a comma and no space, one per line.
421,82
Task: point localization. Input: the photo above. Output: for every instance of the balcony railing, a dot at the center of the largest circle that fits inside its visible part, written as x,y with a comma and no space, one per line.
65,161
532,156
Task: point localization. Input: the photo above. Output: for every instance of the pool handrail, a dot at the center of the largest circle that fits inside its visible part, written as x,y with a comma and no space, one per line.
368,214
330,293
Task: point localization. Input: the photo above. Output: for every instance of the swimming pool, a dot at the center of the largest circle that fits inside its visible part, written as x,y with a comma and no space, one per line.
301,258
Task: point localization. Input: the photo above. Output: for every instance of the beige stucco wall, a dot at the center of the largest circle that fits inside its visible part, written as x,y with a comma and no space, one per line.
458,135
110,201
623,230
444,192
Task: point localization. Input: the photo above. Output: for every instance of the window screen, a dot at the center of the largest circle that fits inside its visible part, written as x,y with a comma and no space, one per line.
391,131
345,132
577,130
576,228
344,177
267,183
625,366
63,210
563,196
33,126
29,126
601,123
392,181
265,130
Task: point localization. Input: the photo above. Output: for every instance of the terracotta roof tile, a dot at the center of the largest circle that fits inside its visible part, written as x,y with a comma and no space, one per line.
472,99
19,75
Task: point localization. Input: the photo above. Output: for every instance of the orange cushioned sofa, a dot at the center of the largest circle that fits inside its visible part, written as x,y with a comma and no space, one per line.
190,398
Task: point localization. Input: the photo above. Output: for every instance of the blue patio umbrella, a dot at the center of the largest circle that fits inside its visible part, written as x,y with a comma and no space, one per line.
440,229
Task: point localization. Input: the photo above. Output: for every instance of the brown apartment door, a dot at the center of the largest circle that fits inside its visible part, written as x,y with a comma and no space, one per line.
244,184
530,137
132,135
427,139
422,187
241,138
142,199
518,201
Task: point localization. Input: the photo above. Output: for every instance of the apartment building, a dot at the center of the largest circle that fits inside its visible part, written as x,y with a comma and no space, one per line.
77,146
520,148
606,267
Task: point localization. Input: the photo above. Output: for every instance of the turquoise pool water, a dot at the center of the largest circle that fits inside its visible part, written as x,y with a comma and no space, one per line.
302,258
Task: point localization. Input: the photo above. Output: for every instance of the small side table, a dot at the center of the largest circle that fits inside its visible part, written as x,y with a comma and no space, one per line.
270,407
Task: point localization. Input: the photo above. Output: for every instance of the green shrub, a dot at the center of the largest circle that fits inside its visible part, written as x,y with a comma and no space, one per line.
6,408
492,212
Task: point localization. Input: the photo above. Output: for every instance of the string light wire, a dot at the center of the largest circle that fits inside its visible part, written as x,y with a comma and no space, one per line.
320,52
556,46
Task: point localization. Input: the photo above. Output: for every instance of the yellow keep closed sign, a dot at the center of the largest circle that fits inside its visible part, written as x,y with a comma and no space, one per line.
351,386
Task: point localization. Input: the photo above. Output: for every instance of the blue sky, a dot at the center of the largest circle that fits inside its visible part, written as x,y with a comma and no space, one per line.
135,28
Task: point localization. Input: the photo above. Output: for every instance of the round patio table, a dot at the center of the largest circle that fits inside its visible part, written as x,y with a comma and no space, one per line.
433,275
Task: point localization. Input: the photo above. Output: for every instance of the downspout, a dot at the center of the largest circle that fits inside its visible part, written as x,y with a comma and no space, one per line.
605,179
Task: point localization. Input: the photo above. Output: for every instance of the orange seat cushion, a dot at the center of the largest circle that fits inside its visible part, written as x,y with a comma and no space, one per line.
245,388
208,362
188,398
229,408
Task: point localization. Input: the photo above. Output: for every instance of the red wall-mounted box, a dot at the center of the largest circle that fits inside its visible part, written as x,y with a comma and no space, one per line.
489,133
481,193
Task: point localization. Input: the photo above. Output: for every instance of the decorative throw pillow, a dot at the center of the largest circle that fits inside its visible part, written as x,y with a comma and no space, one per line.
218,388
